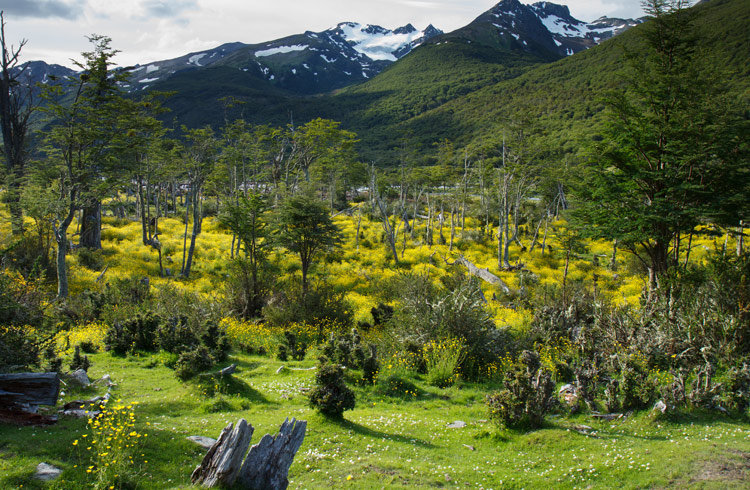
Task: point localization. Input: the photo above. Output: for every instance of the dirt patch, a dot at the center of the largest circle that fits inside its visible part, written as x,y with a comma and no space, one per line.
734,466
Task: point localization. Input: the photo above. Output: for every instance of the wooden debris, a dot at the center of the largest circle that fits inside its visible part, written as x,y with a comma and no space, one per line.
221,464
483,274
267,464
29,388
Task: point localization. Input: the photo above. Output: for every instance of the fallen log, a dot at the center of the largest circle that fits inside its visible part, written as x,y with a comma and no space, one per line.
483,274
29,388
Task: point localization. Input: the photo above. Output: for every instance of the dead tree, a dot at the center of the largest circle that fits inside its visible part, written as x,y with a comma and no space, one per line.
267,463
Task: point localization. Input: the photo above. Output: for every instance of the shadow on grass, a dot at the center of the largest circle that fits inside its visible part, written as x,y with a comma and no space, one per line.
368,432
230,385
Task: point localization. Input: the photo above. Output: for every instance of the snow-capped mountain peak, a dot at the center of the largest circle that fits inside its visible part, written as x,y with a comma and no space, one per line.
381,44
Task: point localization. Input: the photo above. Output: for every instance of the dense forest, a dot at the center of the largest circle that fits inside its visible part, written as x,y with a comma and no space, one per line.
554,285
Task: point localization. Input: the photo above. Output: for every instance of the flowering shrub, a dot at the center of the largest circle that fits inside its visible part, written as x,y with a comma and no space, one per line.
112,441
443,359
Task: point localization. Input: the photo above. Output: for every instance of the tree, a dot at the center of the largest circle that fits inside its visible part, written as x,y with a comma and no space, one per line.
16,108
305,227
674,152
83,114
200,157
245,219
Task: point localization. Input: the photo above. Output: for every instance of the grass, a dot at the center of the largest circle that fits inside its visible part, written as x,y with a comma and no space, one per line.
391,441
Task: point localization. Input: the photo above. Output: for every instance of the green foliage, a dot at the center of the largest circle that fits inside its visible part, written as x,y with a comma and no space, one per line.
193,362
79,361
176,336
18,348
427,313
138,333
292,346
330,395
304,227
321,304
528,394
674,149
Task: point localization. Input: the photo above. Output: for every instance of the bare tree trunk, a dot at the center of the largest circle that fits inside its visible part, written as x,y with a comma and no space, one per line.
197,222
613,260
741,239
359,223
91,226
536,236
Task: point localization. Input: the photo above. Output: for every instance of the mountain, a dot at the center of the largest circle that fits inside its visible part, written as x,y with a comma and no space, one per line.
545,29
309,63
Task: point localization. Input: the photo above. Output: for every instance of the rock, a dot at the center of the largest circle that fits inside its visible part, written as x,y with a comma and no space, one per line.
46,472
105,380
661,406
80,413
569,394
458,424
228,370
202,441
79,376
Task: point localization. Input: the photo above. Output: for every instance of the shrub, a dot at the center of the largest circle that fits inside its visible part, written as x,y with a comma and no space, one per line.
443,358
18,348
138,333
292,345
528,394
192,362
246,294
636,390
78,361
736,388
214,337
175,335
370,366
320,305
429,313
90,259
331,396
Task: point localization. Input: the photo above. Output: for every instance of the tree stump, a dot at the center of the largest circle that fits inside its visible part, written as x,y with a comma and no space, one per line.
221,465
267,463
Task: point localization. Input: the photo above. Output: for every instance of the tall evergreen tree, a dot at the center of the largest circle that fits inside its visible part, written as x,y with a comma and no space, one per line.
674,153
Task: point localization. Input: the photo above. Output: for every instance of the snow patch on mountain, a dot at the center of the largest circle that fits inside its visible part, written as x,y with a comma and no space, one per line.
281,49
377,43
195,59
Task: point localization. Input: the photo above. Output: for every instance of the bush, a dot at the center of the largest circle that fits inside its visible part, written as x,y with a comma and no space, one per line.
175,335
370,366
192,362
18,348
292,346
331,396
78,361
90,259
138,333
429,313
245,295
216,341
443,358
322,304
528,394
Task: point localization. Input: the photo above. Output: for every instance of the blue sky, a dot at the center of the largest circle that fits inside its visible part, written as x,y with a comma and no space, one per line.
150,30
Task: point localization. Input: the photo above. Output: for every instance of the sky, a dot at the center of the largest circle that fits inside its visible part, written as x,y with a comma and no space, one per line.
152,30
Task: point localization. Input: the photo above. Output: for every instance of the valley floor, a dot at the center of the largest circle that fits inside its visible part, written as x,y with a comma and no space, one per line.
403,440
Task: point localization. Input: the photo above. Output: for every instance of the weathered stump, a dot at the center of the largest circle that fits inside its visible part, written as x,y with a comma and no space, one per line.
267,464
221,465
